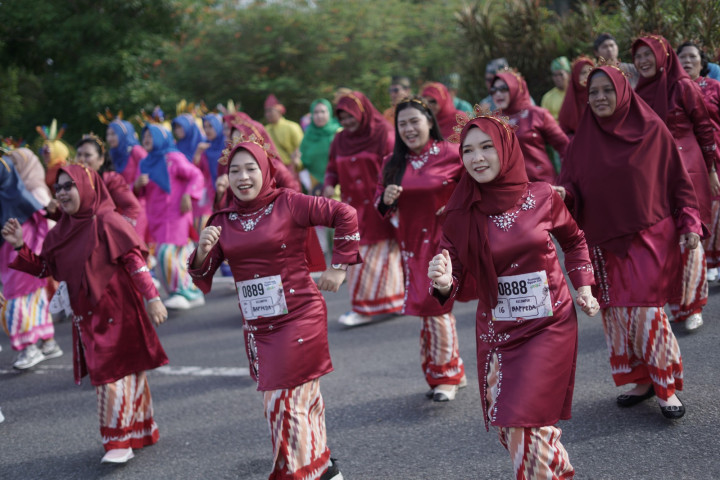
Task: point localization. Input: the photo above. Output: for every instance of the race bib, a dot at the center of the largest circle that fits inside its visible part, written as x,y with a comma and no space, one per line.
60,302
262,297
525,296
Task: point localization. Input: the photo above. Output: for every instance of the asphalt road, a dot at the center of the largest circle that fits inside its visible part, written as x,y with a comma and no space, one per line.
380,424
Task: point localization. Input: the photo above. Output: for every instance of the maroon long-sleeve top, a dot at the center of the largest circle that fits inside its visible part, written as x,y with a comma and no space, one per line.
284,350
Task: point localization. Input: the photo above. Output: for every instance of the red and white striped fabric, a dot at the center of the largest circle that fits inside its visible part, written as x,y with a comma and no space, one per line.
711,245
376,285
296,417
694,284
537,452
643,348
126,413
439,352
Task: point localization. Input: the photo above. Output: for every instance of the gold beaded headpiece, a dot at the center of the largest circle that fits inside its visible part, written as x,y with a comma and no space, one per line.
479,111
97,140
230,146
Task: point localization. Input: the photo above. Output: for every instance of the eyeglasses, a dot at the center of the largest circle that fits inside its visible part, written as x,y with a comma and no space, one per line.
395,89
67,186
494,90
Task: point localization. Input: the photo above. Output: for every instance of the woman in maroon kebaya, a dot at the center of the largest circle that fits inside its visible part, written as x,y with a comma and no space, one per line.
694,62
633,229
496,240
101,258
417,181
263,236
441,103
536,127
575,101
356,155
678,101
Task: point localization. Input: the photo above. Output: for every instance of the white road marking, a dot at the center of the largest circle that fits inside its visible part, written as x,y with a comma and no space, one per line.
166,370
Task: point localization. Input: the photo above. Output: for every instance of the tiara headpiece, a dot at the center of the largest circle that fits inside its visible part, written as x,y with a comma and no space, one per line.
479,111
97,140
230,146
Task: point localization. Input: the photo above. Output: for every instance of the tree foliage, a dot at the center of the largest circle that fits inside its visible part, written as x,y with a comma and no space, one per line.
72,58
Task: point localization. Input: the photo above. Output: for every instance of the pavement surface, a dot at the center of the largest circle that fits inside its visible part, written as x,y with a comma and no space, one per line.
380,424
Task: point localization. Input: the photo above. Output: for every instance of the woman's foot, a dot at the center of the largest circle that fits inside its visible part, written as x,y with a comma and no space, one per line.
118,455
671,408
640,393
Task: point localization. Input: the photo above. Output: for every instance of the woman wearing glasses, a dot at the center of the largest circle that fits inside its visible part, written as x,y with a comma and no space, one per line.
536,127
100,257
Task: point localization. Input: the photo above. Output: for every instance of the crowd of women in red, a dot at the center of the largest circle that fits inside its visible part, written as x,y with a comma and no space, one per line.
415,210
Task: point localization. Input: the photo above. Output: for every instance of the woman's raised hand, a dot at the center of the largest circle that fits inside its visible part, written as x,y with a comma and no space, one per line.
208,238
440,272
391,194
12,233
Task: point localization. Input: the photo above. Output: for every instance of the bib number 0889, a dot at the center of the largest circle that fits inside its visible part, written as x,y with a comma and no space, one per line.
512,288
253,290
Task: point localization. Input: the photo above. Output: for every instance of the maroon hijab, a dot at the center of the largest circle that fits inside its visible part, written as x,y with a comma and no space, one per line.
371,135
268,192
576,98
447,114
469,233
624,171
657,90
86,247
518,90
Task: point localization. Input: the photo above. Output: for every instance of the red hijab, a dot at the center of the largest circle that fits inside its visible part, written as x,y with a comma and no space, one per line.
624,171
657,90
447,114
86,247
268,192
469,232
518,90
371,135
576,98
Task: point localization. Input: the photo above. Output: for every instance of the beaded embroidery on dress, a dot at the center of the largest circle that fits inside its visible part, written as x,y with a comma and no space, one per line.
505,221
249,225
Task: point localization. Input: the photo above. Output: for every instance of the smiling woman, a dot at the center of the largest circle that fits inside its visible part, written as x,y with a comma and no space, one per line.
633,230
262,235
671,93
417,180
495,247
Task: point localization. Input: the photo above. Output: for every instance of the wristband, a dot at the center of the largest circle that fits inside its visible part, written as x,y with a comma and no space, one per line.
154,299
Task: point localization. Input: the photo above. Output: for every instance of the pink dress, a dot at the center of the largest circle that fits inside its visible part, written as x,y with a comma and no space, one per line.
537,351
165,221
536,128
290,349
419,220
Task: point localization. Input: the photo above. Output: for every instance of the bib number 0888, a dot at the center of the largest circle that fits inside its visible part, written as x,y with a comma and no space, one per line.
253,290
512,288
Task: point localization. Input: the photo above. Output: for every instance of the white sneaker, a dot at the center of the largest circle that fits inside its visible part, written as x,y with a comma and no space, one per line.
198,302
51,349
29,357
445,393
118,455
712,274
693,322
351,319
2,418
177,302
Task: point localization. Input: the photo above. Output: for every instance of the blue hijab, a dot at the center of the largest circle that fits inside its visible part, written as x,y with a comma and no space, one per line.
126,141
15,200
154,164
193,136
215,150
